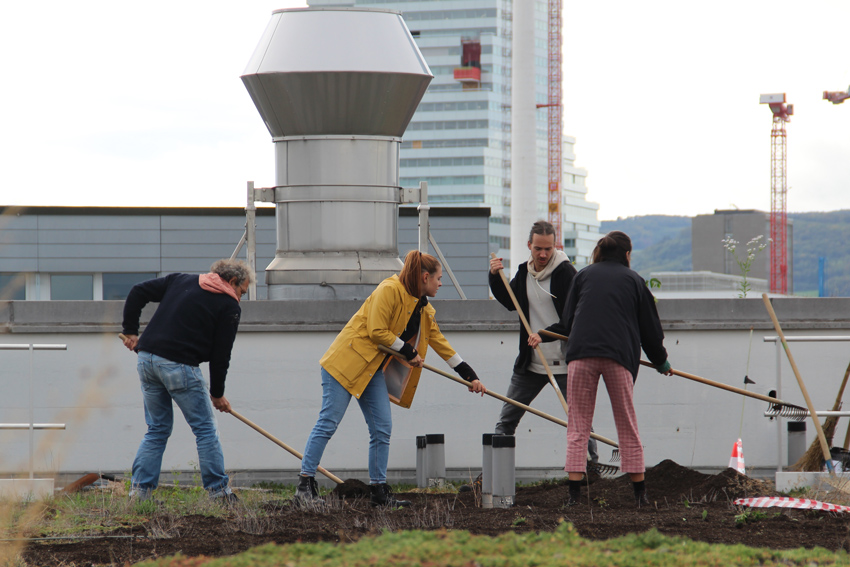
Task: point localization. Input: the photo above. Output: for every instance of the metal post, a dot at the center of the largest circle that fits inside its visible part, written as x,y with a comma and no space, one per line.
778,394
251,237
423,209
32,414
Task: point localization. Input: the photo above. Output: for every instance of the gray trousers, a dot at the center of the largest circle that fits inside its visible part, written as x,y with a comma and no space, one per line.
524,388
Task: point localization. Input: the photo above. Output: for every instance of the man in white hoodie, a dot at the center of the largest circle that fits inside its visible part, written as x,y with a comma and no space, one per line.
540,286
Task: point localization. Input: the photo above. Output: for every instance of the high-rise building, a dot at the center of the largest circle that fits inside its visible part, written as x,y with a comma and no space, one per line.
459,140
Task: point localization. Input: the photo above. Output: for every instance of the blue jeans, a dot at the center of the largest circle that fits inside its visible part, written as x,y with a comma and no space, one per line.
164,381
375,405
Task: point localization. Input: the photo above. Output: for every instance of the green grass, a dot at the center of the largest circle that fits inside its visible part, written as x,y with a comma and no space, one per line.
560,548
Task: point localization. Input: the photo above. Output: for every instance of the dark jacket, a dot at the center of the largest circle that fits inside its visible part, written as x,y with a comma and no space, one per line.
610,313
561,277
190,326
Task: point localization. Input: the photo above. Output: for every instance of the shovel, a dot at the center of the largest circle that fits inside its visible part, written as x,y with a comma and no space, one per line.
280,443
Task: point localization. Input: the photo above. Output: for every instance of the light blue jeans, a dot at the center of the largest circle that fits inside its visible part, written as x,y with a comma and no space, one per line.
375,405
164,381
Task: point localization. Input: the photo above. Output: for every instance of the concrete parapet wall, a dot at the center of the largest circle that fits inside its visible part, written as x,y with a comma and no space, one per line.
274,381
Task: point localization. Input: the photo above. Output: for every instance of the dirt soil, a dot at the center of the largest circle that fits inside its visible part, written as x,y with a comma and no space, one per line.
684,503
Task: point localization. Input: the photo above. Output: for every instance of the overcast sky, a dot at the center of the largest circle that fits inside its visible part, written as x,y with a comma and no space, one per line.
140,104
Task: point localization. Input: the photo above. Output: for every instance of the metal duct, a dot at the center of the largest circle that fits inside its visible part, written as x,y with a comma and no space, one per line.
336,88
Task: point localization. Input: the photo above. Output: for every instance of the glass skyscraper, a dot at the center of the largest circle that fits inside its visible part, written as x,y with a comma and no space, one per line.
459,140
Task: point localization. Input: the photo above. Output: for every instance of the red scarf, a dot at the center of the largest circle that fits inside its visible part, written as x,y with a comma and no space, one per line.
216,284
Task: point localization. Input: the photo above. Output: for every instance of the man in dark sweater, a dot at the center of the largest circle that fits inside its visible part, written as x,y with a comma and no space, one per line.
541,285
196,322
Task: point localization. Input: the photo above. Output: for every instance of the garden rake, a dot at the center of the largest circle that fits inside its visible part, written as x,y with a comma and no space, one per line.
601,469
782,408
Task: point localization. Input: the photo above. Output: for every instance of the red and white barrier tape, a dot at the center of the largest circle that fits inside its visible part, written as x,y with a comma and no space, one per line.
786,502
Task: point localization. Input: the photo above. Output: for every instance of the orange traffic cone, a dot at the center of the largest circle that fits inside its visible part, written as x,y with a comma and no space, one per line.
737,460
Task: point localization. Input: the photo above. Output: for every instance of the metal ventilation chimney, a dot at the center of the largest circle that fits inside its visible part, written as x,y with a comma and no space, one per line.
336,88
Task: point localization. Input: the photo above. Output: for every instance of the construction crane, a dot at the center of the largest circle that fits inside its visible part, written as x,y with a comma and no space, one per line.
836,97
778,191
556,138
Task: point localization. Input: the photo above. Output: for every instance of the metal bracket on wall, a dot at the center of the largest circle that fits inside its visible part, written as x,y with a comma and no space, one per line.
425,236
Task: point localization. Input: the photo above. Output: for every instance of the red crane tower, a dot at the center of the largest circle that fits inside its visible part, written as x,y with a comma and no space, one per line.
778,191
836,97
556,138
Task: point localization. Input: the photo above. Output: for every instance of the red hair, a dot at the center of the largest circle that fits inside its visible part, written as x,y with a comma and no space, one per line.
415,263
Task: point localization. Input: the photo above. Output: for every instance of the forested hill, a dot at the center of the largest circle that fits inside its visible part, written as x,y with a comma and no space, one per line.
663,243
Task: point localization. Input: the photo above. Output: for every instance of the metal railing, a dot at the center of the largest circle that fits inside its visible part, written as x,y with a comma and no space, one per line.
32,426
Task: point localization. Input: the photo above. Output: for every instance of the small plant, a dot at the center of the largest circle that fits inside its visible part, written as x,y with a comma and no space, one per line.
705,515
749,516
745,264
518,521
601,501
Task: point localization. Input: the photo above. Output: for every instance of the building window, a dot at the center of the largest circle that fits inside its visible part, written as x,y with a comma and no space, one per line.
117,286
72,286
13,287
569,243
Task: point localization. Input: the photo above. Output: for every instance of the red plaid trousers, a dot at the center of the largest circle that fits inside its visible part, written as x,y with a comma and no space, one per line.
582,385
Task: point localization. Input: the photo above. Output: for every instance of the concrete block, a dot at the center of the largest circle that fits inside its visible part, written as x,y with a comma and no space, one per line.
819,481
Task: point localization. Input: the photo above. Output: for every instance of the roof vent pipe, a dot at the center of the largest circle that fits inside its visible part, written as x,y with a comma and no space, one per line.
336,88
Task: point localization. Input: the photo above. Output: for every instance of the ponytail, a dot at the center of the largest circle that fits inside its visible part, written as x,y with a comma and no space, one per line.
416,262
613,247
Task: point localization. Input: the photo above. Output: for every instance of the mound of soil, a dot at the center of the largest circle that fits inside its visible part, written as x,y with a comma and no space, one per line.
684,503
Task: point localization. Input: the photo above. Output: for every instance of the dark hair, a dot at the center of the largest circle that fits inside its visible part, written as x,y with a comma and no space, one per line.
613,246
542,228
416,262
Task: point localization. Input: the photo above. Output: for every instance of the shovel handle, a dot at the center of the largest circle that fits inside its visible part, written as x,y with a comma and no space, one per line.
695,378
500,397
280,443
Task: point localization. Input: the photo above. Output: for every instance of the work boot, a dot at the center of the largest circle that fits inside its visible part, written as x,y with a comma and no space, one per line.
641,499
307,491
574,494
382,495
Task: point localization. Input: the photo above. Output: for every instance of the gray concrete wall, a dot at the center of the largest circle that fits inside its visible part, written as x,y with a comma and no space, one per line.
274,381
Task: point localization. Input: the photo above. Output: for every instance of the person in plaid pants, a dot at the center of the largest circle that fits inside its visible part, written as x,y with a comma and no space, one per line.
609,315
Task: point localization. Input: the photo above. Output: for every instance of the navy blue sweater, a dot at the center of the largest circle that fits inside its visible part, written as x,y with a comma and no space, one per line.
190,326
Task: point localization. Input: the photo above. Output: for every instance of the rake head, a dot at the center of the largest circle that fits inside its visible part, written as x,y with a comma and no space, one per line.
615,456
788,411
603,470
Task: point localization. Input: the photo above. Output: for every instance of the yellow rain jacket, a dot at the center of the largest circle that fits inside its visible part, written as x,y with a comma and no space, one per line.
353,357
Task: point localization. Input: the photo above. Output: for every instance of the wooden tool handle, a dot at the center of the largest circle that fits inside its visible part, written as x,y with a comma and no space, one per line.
821,437
530,332
279,443
694,377
500,397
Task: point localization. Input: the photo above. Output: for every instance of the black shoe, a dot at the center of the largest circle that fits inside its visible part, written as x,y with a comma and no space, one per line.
573,499
382,495
475,486
307,491
642,500
574,492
